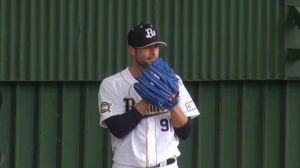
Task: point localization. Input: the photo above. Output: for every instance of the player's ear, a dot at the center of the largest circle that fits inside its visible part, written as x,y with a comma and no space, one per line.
131,50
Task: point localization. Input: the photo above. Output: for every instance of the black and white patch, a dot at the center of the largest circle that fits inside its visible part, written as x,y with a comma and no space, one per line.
105,107
190,106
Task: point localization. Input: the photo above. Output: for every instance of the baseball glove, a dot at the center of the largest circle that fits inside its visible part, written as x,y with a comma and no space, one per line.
158,85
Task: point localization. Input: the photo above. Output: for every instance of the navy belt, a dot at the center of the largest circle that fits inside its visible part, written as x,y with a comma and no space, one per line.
167,162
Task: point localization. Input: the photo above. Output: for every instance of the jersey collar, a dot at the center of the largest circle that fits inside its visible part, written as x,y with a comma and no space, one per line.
128,76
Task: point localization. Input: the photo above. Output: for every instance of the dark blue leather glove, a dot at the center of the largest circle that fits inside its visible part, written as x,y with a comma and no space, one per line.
158,85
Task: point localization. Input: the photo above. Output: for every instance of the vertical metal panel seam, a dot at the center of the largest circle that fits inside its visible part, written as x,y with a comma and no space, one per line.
36,131
195,41
62,36
82,126
111,36
232,51
2,37
43,43
260,37
59,126
23,30
53,45
205,39
13,47
185,39
241,42
267,29
225,37
219,123
196,130
239,130
242,122
215,32
218,128
33,47
13,126
90,41
283,126
263,119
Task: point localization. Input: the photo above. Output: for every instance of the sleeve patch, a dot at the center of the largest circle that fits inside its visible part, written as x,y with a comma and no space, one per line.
190,106
105,107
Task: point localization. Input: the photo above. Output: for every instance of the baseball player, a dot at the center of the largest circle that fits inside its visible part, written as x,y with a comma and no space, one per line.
146,107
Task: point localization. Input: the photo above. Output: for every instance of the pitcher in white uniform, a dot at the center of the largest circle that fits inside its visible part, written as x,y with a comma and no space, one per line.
142,135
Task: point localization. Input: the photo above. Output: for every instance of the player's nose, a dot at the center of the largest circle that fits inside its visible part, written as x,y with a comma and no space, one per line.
154,49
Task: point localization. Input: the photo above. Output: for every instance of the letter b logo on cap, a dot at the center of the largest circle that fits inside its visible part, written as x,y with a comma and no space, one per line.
150,33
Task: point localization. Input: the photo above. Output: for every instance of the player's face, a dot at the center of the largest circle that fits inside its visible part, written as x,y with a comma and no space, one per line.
145,56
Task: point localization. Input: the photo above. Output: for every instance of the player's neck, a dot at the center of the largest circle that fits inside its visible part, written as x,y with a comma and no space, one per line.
135,71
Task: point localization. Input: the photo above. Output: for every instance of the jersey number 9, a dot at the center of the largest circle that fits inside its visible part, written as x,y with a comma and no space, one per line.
165,125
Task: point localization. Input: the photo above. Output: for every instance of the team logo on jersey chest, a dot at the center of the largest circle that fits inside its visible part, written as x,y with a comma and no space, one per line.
152,111
156,111
105,107
129,103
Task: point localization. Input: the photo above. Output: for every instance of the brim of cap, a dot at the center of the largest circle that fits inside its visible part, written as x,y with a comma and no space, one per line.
158,42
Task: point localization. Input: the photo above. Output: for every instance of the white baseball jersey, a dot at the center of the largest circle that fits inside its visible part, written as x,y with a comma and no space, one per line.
153,140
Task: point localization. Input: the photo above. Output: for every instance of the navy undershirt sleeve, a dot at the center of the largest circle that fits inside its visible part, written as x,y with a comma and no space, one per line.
121,125
185,131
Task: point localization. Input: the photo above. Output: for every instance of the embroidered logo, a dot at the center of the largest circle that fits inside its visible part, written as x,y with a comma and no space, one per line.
190,106
105,107
150,33
129,103
153,111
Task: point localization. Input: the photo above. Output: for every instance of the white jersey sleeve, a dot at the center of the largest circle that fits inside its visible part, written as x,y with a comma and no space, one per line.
186,102
109,101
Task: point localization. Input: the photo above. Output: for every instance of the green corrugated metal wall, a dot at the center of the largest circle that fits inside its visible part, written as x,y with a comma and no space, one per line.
231,55
242,125
86,39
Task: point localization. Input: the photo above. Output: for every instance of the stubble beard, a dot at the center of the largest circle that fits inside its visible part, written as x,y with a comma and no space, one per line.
143,64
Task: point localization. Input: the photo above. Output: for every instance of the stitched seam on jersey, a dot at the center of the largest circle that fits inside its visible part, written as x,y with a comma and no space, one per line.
147,158
130,87
155,142
129,83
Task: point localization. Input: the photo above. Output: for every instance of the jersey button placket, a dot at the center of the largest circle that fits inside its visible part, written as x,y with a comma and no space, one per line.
151,141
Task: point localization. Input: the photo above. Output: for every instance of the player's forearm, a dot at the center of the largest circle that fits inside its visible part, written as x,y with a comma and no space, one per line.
182,124
185,131
121,125
178,117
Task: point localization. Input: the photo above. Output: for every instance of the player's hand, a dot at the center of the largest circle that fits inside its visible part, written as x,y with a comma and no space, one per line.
142,107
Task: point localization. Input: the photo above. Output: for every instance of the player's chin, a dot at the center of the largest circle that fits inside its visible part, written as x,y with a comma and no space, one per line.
144,64
148,62
151,61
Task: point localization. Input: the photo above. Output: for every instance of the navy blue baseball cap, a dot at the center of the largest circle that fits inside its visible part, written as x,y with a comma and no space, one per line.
144,35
